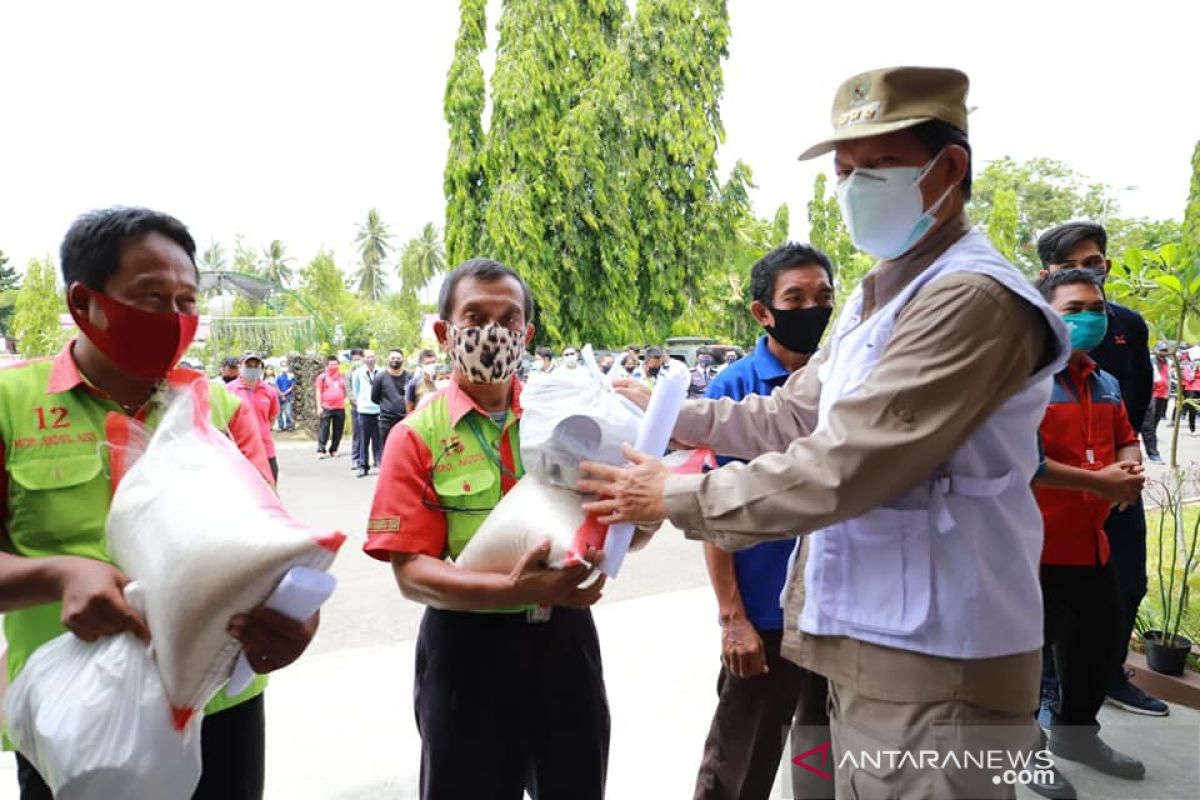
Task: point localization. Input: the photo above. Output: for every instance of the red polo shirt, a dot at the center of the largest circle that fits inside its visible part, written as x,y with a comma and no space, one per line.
1085,425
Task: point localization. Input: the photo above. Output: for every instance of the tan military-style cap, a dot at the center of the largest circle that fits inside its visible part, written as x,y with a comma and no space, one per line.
892,99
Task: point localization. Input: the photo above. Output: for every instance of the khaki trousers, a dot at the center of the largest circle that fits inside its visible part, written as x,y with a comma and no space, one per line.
891,750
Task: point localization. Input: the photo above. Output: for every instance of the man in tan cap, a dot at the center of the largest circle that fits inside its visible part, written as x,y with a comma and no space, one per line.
902,454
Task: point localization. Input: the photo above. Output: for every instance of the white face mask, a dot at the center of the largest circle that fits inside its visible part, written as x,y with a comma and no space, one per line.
884,209
441,383
429,370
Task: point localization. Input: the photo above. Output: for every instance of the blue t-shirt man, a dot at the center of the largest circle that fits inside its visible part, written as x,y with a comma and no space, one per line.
283,383
762,569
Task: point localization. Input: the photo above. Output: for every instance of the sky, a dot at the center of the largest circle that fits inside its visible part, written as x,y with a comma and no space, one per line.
289,120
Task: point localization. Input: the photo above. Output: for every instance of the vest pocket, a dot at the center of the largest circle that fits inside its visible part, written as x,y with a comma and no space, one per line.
58,501
465,497
885,564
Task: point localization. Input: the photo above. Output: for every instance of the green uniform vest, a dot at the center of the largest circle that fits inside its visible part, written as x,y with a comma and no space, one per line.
59,490
466,477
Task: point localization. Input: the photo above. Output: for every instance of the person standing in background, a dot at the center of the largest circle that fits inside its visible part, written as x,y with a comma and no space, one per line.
702,373
421,385
388,392
261,398
1191,389
363,383
229,369
331,399
286,384
356,360
545,359
1124,354
652,366
760,693
1159,398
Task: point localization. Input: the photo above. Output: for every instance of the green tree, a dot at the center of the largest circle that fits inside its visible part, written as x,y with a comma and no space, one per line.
546,55
36,315
422,258
674,52
213,258
277,264
323,287
10,283
374,242
9,278
1048,193
1002,223
463,105
245,257
1189,240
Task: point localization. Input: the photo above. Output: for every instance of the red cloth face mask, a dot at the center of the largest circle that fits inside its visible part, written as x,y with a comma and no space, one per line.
143,343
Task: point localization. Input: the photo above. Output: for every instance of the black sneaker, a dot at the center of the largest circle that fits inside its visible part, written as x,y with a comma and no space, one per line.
1090,750
1131,698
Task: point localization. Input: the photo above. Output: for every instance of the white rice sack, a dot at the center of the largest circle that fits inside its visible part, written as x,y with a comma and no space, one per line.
573,415
93,718
531,512
196,525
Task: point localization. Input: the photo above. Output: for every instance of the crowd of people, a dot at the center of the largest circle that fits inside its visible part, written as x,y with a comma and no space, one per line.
925,535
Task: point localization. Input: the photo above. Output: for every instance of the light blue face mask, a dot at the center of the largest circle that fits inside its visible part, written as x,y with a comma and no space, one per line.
1087,329
884,210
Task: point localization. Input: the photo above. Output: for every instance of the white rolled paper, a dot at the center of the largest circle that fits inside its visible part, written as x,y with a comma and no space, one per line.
666,401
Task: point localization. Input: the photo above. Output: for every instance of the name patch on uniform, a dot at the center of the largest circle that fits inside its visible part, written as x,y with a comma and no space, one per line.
51,440
384,525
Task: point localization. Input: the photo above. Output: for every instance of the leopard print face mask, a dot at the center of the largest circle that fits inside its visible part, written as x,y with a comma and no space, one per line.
487,353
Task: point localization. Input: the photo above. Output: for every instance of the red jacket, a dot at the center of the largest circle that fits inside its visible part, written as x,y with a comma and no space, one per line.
1085,425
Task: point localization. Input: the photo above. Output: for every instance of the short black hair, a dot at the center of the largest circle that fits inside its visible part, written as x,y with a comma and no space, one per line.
91,250
544,352
703,350
653,352
1068,277
787,256
1056,244
356,351
481,269
936,136
332,358
426,354
232,362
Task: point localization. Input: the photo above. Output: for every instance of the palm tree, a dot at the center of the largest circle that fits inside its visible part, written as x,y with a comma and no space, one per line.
213,258
374,242
277,267
371,282
423,258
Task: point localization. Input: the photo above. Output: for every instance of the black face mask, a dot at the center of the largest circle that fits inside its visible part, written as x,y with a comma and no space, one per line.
799,329
652,371
605,368
395,364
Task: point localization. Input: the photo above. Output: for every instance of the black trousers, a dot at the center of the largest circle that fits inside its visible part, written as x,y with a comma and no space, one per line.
1126,532
273,463
332,420
1082,625
1154,415
505,705
386,423
1190,410
369,441
356,435
750,728
233,745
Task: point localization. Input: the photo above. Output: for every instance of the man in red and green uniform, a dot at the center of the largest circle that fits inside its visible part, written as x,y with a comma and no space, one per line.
131,286
509,687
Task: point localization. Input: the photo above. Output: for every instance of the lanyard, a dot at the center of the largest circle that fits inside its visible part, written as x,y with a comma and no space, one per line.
1085,403
488,449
